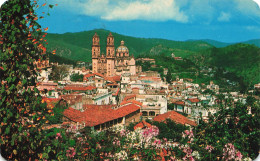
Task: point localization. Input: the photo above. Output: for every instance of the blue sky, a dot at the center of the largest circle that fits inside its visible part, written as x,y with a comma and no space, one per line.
222,20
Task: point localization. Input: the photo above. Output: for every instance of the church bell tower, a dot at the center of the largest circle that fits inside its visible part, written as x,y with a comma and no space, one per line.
95,52
110,55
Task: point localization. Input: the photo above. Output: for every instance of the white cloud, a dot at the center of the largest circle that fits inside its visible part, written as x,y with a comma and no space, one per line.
224,16
152,10
248,7
201,11
253,28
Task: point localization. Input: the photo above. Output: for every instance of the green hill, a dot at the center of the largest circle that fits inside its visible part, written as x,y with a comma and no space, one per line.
77,46
241,59
219,44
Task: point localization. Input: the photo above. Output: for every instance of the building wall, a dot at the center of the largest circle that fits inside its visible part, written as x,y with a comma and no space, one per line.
133,117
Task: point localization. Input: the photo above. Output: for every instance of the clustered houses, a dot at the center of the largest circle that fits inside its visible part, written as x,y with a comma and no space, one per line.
114,92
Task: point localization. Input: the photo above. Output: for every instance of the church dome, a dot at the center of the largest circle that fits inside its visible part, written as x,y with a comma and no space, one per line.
122,48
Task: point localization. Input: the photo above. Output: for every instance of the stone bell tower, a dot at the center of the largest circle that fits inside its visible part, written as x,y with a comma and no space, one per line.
95,52
110,55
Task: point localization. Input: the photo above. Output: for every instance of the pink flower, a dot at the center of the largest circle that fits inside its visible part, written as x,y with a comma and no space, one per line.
239,155
231,153
209,148
71,152
58,135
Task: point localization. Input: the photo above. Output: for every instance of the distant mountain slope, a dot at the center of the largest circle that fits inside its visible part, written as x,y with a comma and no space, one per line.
255,42
77,46
215,43
219,44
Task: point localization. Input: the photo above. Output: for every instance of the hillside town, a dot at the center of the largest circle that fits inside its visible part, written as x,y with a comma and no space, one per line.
129,80
117,92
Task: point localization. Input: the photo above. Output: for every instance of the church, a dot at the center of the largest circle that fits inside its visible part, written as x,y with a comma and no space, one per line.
115,62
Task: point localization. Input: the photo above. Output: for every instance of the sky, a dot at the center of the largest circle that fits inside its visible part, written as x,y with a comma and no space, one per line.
221,20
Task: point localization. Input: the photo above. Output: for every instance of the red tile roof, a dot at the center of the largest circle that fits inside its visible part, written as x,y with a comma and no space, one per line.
127,98
100,75
194,100
131,101
116,78
77,88
92,106
179,103
92,75
176,117
47,87
142,124
95,115
112,84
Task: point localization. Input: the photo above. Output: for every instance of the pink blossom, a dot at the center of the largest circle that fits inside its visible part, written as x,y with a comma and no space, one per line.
239,155
123,132
231,153
58,135
209,148
71,152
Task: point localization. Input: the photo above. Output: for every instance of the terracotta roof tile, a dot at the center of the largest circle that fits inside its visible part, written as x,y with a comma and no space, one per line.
95,115
131,101
194,100
77,88
142,125
179,103
127,98
176,117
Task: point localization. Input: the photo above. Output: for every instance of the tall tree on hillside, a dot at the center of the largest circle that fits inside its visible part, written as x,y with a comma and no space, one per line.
22,113
169,76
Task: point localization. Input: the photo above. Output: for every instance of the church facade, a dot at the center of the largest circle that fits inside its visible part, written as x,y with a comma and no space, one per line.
115,62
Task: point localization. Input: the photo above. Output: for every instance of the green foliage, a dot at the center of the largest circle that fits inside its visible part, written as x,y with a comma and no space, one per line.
76,77
170,106
241,59
170,130
131,126
61,60
231,125
57,115
21,112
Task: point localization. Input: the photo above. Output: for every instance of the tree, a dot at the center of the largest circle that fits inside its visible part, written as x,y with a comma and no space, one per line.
21,112
169,76
59,72
170,130
76,77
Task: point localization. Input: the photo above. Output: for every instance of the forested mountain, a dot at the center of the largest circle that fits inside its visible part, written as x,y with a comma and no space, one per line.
77,46
241,59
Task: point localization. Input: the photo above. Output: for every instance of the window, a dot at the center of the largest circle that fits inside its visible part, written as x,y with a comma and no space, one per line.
144,113
151,113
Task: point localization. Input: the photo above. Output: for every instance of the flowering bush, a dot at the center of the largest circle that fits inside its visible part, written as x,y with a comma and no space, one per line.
230,153
70,152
